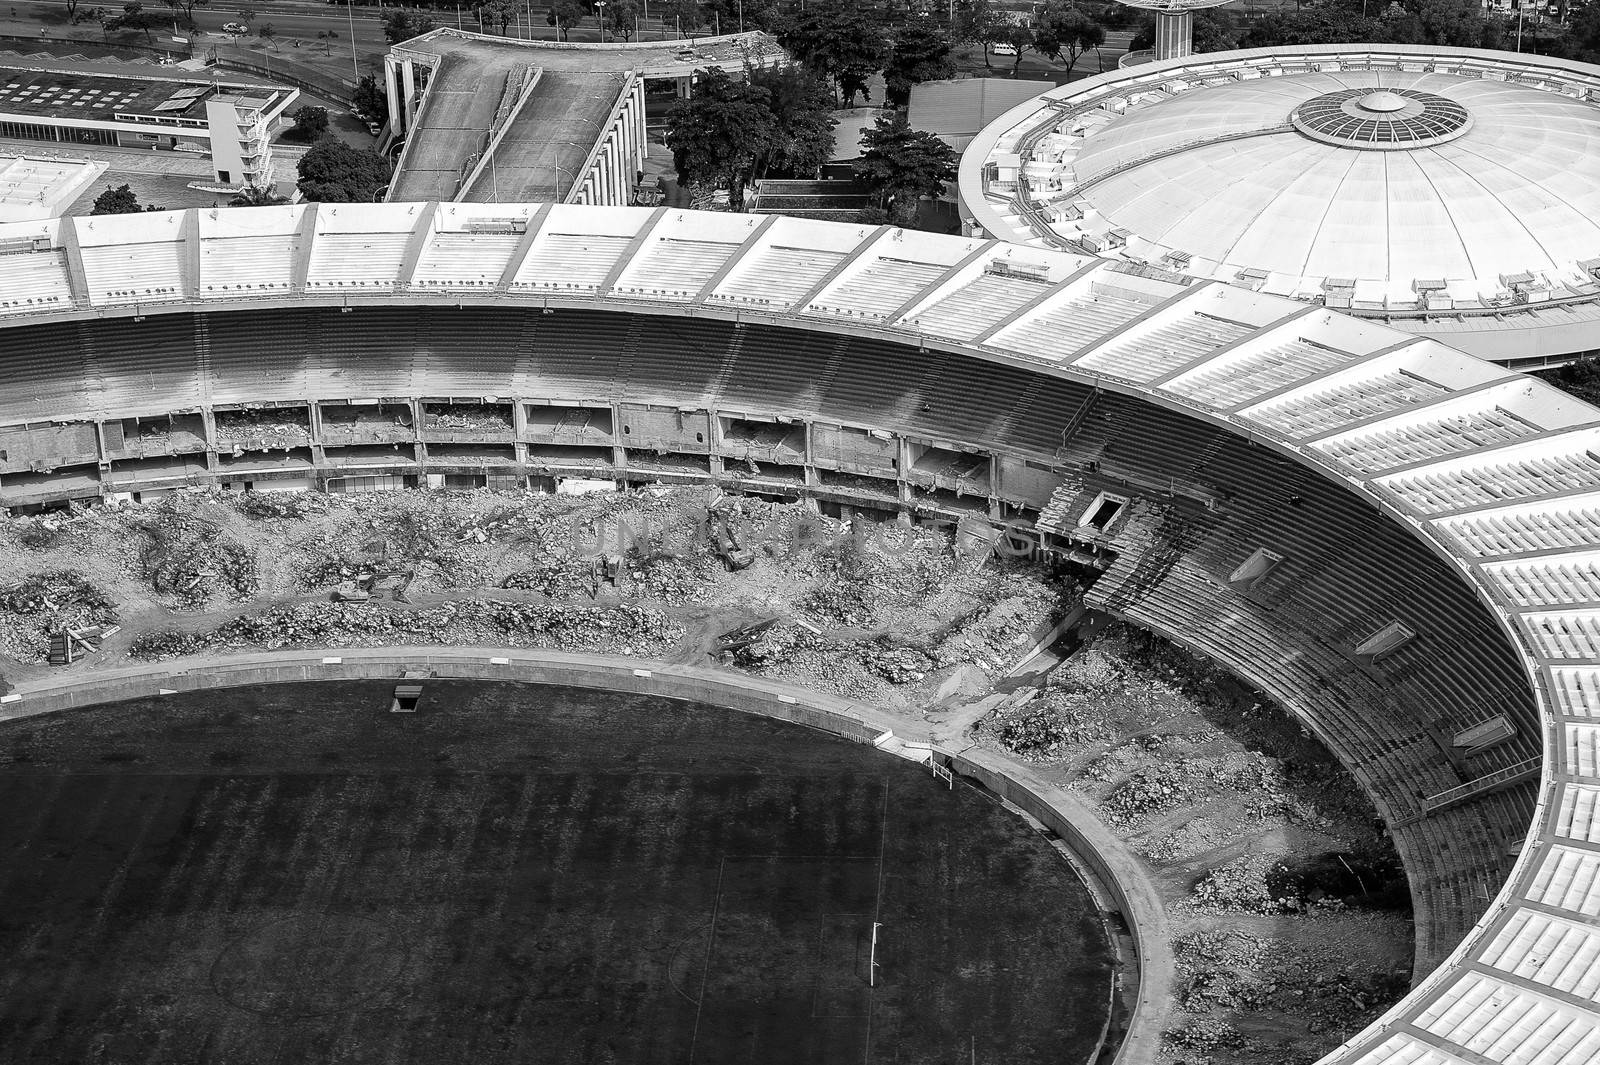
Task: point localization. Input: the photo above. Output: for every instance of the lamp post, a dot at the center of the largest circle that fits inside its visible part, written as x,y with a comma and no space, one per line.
600,9
350,13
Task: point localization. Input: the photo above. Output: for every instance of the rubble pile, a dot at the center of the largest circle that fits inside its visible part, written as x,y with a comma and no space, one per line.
387,533
612,629
187,558
668,576
278,506
1244,885
468,417
1234,972
43,602
557,580
1148,791
272,428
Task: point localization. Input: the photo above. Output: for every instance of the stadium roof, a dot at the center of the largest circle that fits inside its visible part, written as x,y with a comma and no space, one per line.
1392,182
1388,415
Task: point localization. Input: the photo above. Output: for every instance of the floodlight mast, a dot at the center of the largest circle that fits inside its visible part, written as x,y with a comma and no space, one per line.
1174,24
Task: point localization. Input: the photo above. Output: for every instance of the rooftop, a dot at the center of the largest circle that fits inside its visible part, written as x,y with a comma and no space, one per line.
1393,183
52,92
649,59
37,187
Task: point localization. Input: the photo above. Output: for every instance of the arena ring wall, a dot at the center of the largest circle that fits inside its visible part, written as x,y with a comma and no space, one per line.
1397,541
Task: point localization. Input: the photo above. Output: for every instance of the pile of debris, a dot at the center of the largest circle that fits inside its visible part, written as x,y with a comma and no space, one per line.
188,558
468,416
279,506
614,629
1148,791
44,608
271,428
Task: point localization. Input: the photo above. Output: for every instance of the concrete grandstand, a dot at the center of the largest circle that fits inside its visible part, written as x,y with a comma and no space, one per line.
1448,192
1394,539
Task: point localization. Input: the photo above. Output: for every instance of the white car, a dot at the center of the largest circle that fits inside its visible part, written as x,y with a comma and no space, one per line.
238,29
1005,49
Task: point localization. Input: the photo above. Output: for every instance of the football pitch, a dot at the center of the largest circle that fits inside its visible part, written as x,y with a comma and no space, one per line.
517,873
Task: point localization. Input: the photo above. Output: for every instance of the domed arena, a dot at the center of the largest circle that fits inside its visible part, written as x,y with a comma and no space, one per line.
1391,539
1451,193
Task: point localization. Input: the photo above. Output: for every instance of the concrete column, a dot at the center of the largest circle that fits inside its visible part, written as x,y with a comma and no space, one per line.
1174,34
391,92
408,81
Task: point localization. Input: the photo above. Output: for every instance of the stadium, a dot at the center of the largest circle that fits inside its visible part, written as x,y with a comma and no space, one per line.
1442,191
1391,538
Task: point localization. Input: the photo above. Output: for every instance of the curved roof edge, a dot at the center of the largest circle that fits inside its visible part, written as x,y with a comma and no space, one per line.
1520,331
1390,416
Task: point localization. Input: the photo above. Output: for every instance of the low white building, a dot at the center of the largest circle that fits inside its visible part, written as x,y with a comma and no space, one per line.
34,187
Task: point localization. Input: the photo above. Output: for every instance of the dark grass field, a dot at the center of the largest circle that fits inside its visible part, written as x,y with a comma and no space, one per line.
516,874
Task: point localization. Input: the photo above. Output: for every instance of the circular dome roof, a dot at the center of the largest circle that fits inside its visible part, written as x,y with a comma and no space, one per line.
1386,120
1457,185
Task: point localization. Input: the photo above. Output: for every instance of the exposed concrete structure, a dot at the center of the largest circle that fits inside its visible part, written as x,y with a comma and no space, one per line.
1437,514
490,119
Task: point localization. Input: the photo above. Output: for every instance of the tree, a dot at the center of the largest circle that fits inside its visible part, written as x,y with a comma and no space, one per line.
400,24
247,16
371,100
333,172
269,33
1063,33
133,18
901,165
186,9
718,134
1020,38
845,45
1319,24
564,15
493,13
979,22
921,52
622,18
256,197
120,200
310,124
72,12
801,107
686,15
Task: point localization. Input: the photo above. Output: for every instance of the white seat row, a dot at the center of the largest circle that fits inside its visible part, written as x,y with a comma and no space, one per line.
1577,690
1328,408
1549,582
880,289
1567,635
1568,879
1166,348
1386,448
1260,373
125,272
1582,749
1549,950
575,261
1505,1023
1520,479
1577,818
975,307
777,276
32,280
1068,328
451,258
1562,525
670,265
366,259
237,264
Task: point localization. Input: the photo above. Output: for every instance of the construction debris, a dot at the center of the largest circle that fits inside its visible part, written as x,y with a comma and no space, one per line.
44,605
612,629
187,558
